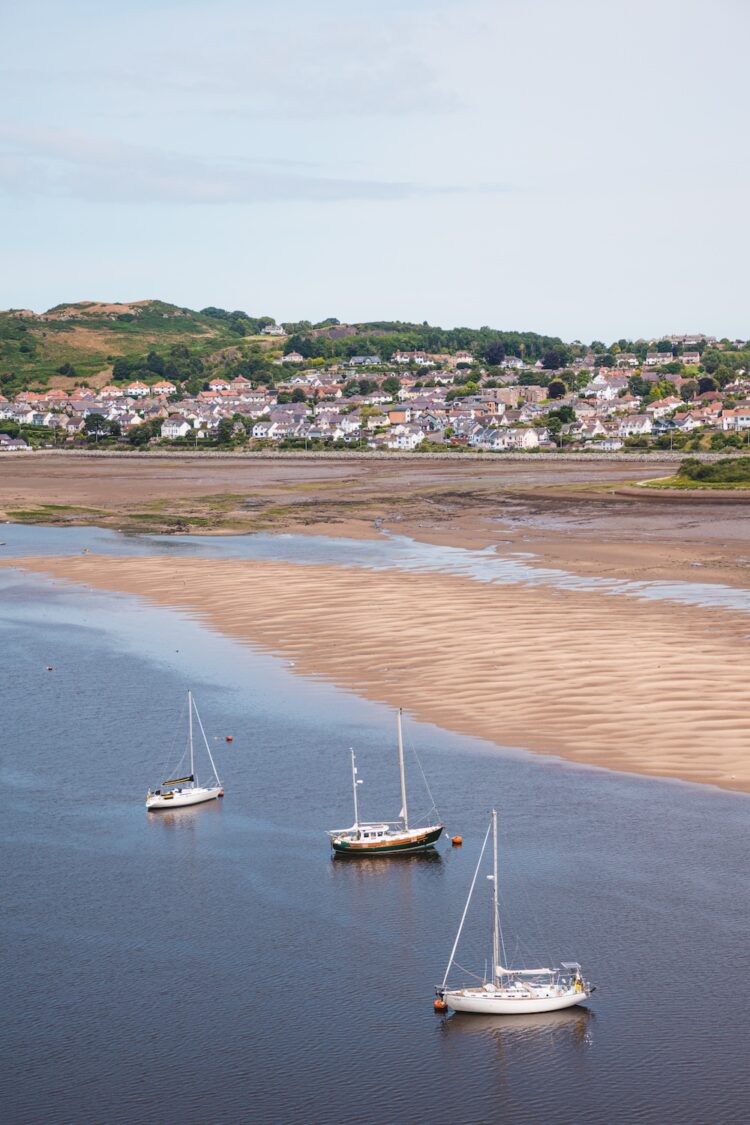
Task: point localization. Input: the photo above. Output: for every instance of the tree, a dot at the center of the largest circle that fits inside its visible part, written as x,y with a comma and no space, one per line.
563,414
155,363
639,386
557,388
298,395
96,426
391,385
224,431
552,360
495,353
710,360
707,383
141,435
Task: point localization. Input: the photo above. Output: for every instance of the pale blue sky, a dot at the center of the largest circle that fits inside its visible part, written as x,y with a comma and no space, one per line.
577,167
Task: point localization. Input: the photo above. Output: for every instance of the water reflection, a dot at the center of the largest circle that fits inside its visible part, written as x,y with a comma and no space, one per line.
184,818
573,1027
377,864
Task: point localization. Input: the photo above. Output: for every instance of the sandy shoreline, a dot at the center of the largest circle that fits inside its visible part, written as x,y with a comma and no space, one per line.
650,688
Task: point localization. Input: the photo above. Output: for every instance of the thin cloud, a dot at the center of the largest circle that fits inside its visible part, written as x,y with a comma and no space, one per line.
67,164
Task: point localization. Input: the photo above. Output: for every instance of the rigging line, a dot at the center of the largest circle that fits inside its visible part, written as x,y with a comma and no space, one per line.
413,749
469,972
175,736
466,908
205,743
542,937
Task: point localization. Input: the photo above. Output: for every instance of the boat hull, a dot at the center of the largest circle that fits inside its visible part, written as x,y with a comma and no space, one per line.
397,844
180,800
487,1003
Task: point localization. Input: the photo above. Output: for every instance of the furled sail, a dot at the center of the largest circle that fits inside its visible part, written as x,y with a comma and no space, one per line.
179,780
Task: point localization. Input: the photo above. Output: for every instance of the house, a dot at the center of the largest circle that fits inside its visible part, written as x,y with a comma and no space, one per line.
219,385
175,426
663,406
399,415
608,445
273,330
686,421
365,361
137,389
421,359
635,425
587,431
164,387
691,359
111,391
626,359
404,437
736,419
657,359
292,357
10,444
626,402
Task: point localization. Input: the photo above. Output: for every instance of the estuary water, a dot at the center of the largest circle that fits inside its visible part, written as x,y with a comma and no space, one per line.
389,551
216,965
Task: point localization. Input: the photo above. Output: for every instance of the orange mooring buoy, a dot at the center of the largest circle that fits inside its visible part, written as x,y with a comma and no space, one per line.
440,1004
230,738
457,841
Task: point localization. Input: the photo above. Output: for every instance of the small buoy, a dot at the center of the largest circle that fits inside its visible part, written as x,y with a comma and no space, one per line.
440,1004
230,738
457,841
49,668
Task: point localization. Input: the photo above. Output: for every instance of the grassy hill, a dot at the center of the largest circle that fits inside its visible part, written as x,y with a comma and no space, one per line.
94,342
76,343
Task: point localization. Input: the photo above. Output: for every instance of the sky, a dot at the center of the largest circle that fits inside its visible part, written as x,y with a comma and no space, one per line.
573,167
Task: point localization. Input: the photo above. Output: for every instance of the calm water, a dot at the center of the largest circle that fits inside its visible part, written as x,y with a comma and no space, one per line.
215,965
389,551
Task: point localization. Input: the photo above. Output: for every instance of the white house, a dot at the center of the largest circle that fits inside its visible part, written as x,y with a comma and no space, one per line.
635,425
175,426
737,419
137,389
404,437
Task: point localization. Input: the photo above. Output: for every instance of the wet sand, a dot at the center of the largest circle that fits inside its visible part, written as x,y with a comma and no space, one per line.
655,688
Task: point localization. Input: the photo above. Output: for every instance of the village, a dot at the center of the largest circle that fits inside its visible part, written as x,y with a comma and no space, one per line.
415,401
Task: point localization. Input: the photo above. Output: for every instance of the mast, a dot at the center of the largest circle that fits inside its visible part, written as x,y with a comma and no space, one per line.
404,813
466,908
355,783
495,909
190,734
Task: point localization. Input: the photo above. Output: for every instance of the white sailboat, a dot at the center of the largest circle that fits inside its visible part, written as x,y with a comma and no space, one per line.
388,837
182,791
511,991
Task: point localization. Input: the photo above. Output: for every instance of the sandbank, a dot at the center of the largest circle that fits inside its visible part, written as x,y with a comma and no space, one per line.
650,688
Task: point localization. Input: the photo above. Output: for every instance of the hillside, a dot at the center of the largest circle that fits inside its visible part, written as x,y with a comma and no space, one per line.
82,342
78,343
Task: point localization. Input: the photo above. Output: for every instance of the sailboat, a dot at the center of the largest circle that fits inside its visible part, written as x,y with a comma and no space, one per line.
511,991
389,837
182,791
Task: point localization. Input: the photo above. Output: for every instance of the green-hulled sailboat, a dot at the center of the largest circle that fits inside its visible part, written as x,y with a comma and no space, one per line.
388,837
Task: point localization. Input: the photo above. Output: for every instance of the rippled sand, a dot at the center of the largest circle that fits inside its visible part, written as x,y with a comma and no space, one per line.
651,688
